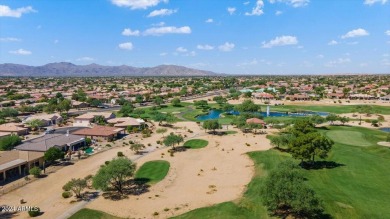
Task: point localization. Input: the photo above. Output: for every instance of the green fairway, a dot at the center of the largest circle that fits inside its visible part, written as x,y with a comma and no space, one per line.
338,109
354,138
196,143
357,188
86,213
153,171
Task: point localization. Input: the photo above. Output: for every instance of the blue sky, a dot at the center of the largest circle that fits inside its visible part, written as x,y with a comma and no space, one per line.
227,36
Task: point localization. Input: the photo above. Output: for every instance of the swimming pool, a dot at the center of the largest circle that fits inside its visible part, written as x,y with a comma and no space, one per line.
385,129
88,150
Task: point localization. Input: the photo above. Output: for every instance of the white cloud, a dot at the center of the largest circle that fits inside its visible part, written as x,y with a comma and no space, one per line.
293,3
162,12
387,32
231,10
163,54
6,11
339,61
160,24
277,13
320,56
137,4
227,47
205,47
247,3
210,20
129,32
85,59
181,49
126,46
355,33
332,43
371,2
10,39
257,10
157,31
281,41
21,52
192,53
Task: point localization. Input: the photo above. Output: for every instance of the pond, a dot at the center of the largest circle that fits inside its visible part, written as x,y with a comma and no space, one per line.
215,114
385,129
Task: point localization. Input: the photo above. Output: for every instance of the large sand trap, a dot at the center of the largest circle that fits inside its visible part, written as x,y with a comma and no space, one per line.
228,170
192,177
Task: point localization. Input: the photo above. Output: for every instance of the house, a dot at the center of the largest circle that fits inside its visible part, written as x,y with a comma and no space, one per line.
14,128
17,163
301,97
361,97
87,118
100,132
79,105
47,120
263,96
125,122
335,95
64,142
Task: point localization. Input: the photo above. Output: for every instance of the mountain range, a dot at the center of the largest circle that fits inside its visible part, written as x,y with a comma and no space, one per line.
66,69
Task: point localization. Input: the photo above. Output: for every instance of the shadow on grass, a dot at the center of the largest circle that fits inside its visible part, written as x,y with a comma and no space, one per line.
318,165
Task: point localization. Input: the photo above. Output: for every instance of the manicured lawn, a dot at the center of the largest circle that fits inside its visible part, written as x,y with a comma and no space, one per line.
196,143
354,138
86,213
153,171
358,188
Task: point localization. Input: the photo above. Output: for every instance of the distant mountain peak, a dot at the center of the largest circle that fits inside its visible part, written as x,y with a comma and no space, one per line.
70,69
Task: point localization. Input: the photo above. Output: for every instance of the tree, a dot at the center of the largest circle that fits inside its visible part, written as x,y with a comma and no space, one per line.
114,174
76,186
64,105
172,140
9,142
211,125
317,119
99,120
343,119
302,127
307,146
137,147
220,100
35,171
374,122
201,104
139,112
331,118
176,102
53,154
34,124
158,100
285,192
161,131
126,109
139,98
248,106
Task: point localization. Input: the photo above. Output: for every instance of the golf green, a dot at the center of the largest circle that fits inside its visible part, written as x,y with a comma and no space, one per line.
354,138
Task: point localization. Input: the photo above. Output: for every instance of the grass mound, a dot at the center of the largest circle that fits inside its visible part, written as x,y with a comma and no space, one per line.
196,143
153,171
86,213
354,138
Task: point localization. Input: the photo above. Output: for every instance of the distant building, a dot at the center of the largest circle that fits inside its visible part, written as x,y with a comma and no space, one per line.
47,120
100,132
125,122
42,144
14,128
87,118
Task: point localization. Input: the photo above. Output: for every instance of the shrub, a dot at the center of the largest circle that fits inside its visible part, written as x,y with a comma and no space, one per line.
34,212
35,171
120,154
66,194
108,145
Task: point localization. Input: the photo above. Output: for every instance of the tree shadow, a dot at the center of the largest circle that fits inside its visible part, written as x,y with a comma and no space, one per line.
136,187
318,165
323,128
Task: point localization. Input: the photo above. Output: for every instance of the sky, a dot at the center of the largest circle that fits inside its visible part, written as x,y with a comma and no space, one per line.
226,36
